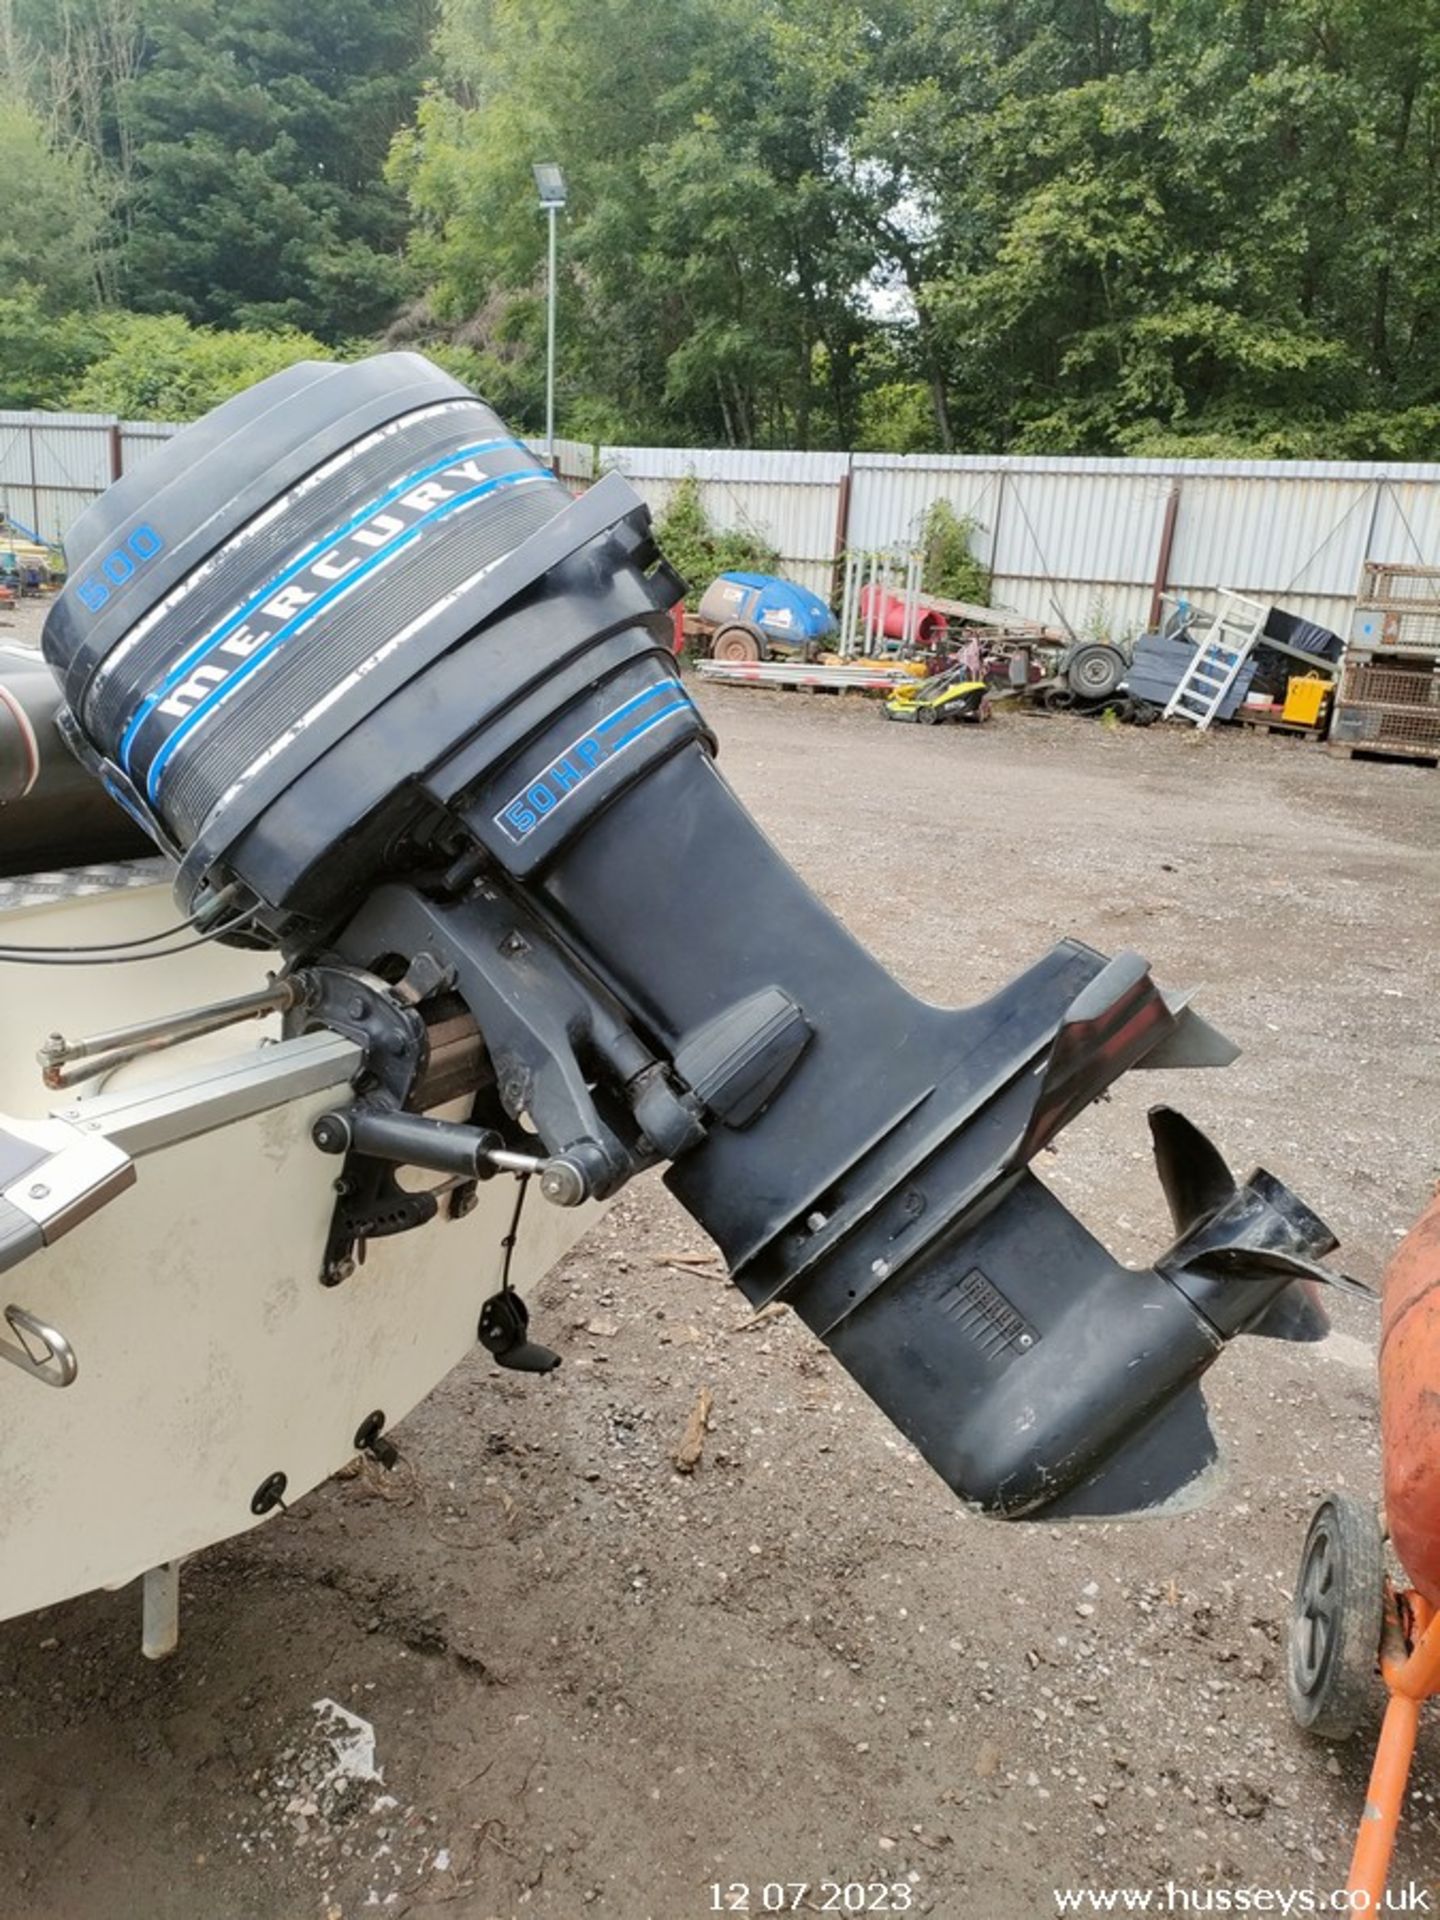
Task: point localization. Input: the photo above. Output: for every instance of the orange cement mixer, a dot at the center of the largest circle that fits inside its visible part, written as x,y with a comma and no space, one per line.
1348,1615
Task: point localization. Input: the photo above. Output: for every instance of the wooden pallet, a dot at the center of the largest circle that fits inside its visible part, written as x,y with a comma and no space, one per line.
1264,723
1382,750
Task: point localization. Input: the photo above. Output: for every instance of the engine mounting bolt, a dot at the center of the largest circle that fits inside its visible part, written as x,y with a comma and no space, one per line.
815,1221
562,1184
330,1133
880,1268
39,1191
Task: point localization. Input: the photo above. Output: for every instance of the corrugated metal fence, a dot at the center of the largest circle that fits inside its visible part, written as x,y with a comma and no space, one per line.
1084,540
52,465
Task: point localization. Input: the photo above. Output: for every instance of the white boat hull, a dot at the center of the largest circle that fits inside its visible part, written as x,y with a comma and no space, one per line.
209,1355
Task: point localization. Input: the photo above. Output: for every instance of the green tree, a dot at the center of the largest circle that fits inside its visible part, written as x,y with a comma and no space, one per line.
243,143
260,132
159,367
42,355
1133,224
713,252
52,239
1051,225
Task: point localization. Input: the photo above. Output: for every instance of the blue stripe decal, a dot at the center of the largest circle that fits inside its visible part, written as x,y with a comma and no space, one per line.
548,790
219,693
178,668
620,713
651,720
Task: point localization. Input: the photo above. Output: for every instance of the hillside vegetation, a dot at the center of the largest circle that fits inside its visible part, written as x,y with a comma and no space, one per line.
1191,226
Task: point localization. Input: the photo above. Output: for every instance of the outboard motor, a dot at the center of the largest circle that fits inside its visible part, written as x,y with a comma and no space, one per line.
400,707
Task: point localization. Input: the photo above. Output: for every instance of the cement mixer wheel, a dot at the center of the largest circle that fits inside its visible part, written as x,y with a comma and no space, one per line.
1336,1619
735,643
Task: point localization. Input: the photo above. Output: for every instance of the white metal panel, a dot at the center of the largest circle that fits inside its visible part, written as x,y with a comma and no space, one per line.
1081,531
1401,471
53,513
1407,525
789,500
574,460
14,453
67,457
1100,528
141,439
742,465
1272,539
889,500
1095,610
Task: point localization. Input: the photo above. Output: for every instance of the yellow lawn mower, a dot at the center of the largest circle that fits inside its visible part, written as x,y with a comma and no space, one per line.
955,695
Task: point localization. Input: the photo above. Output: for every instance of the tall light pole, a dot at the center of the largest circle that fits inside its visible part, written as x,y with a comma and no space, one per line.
550,185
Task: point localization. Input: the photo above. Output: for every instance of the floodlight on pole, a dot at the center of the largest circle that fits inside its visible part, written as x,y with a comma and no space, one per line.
550,185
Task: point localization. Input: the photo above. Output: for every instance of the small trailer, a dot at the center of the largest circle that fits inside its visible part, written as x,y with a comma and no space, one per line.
758,616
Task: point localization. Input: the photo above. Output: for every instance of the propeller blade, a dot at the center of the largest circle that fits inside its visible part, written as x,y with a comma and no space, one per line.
1242,1263
1296,1314
1191,1167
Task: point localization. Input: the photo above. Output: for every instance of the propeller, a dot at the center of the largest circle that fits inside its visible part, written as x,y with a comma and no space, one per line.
1249,1256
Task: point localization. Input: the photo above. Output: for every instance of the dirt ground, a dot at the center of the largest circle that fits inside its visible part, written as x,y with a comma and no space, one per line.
598,1686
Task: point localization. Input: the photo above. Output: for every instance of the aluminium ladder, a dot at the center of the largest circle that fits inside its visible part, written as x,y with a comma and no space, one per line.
1221,649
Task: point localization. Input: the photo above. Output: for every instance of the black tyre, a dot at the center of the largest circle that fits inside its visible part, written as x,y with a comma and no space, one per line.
1095,671
1336,1619
1144,714
928,716
736,643
1059,699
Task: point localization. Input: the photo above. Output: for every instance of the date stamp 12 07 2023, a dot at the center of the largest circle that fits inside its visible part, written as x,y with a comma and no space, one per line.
811,1896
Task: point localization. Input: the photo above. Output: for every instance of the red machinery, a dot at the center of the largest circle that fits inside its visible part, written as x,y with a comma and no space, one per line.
1347,1613
900,617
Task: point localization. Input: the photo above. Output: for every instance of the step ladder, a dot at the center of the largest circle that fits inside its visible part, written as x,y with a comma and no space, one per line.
1225,636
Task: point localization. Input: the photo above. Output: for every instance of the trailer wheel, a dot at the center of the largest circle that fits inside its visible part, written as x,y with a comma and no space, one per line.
735,643
1336,1619
1095,671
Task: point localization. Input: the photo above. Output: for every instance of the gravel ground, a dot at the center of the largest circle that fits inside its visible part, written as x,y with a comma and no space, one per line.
596,1685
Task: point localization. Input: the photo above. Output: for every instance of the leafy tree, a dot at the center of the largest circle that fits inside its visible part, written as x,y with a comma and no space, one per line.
42,357
244,145
1131,224
1111,226
713,253
159,367
52,238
